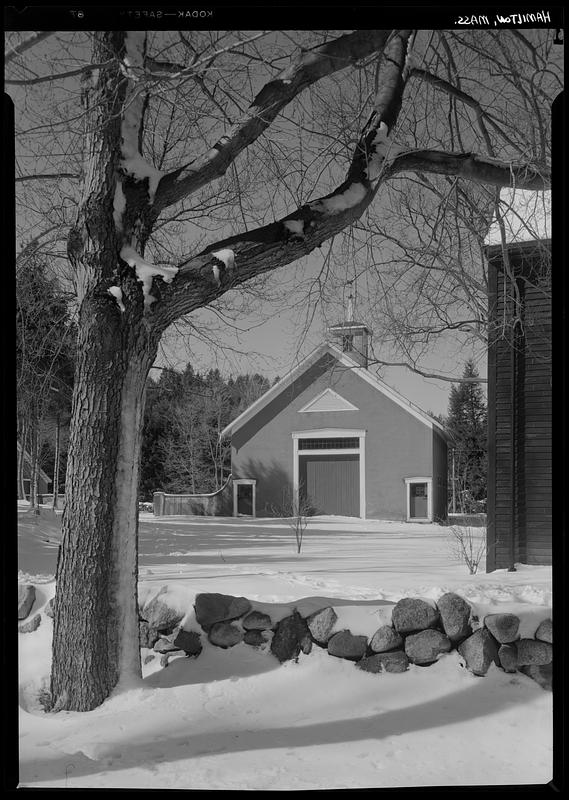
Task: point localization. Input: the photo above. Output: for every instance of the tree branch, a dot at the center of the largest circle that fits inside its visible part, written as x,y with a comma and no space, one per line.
309,68
32,40
453,91
288,239
58,75
47,176
472,167
435,375
253,253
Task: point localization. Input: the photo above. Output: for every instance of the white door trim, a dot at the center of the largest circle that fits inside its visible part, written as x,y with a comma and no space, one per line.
244,482
429,482
331,433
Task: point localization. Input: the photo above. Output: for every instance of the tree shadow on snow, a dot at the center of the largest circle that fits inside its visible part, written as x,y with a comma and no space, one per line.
467,704
214,664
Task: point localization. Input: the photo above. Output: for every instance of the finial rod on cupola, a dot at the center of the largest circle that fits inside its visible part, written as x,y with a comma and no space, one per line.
350,315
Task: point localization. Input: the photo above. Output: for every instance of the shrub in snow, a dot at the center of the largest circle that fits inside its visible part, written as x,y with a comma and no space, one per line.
257,621
225,634
503,627
291,636
385,639
321,624
531,651
31,626
412,614
425,647
468,545
545,631
26,599
455,616
479,651
345,644
395,661
211,608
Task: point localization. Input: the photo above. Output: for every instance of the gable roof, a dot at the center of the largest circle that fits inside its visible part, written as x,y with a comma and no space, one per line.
345,360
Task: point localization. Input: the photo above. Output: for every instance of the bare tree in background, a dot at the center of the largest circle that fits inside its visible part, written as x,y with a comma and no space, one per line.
202,163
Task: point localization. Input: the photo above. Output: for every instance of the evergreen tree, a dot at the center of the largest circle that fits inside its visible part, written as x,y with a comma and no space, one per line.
185,414
467,423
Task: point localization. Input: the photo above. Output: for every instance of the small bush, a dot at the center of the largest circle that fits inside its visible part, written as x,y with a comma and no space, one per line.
468,545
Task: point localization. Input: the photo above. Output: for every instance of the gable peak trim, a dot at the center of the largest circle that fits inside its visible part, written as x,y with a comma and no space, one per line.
327,400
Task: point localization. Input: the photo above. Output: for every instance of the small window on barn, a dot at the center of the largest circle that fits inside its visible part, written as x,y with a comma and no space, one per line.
329,444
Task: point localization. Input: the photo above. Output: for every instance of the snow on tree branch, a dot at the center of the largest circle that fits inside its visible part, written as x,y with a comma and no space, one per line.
132,163
146,271
32,40
286,240
376,159
309,68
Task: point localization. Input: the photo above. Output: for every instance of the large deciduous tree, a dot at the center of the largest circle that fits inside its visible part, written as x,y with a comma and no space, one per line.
187,135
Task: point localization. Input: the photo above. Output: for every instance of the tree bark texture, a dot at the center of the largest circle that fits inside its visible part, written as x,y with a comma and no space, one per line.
95,638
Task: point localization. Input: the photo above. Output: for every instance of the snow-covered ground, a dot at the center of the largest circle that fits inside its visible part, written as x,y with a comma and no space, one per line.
236,719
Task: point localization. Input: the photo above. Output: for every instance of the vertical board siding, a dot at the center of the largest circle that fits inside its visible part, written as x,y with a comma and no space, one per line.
519,410
331,484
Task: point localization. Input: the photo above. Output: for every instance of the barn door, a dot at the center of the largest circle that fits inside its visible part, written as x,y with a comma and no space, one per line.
331,483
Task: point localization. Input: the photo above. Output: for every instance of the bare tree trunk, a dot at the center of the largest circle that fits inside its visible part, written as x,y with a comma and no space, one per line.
95,637
56,464
34,464
21,459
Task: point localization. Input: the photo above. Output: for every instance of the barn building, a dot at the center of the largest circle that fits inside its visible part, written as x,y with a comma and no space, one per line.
333,438
519,383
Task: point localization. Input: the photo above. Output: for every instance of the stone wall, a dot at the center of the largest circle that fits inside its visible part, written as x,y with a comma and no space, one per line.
420,633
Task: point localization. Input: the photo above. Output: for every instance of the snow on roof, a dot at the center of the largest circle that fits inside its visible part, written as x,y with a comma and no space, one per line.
346,361
526,216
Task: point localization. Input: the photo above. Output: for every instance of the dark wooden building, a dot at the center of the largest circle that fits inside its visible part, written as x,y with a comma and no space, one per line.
519,401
